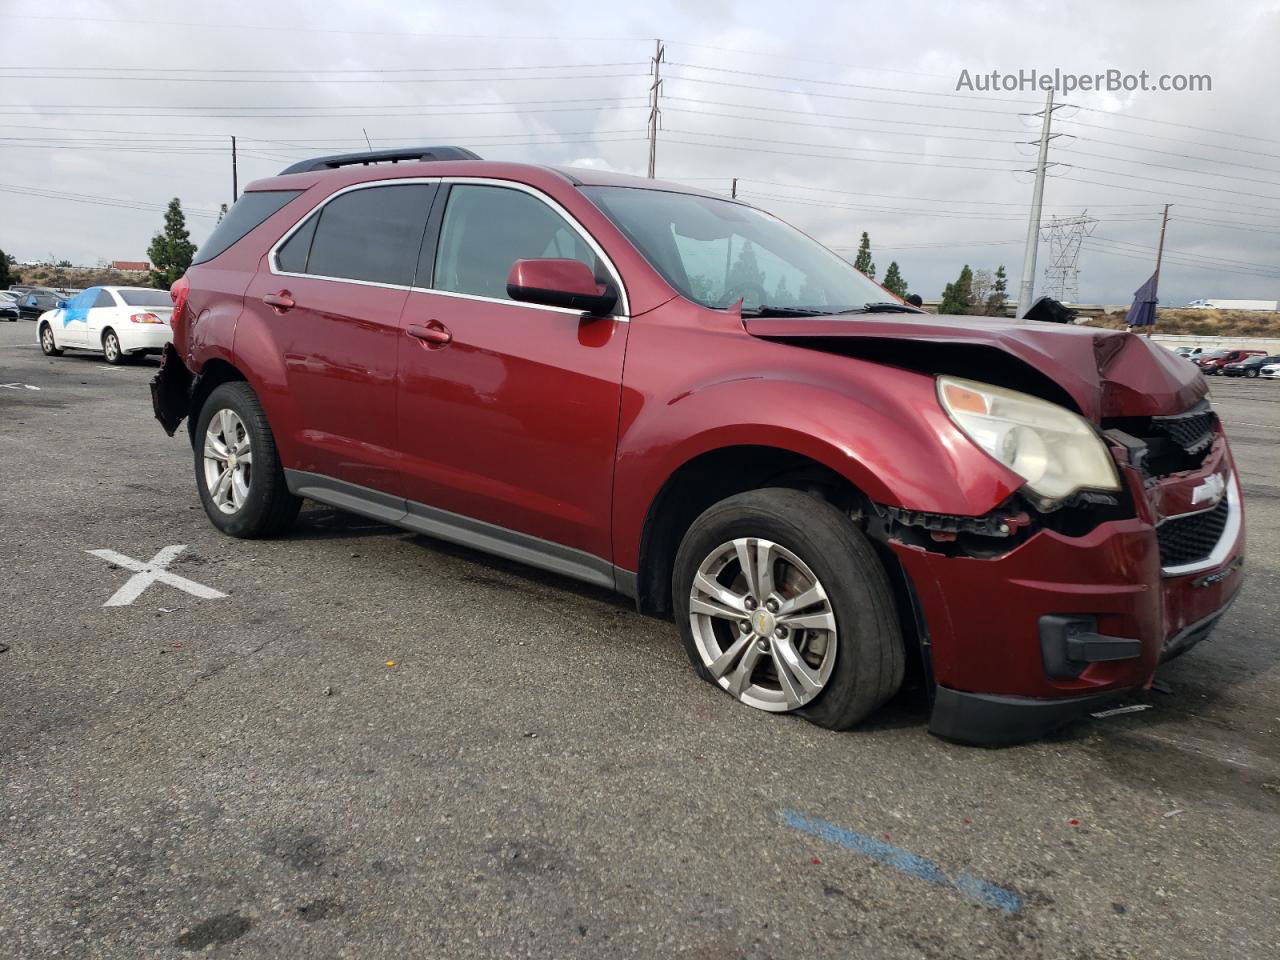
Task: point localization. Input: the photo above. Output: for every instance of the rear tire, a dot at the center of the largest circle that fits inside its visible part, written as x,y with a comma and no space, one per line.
238,470
797,546
111,350
47,344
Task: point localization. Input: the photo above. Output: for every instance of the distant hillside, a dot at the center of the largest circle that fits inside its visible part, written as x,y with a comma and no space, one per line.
1202,323
79,277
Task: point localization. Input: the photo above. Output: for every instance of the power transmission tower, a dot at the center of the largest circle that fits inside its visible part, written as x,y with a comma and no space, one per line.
1065,236
655,114
1026,291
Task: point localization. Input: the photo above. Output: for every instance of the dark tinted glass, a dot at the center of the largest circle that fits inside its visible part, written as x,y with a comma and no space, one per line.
487,229
146,298
372,234
245,214
292,257
104,299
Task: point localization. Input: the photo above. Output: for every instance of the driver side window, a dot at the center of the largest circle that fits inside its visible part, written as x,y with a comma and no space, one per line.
487,229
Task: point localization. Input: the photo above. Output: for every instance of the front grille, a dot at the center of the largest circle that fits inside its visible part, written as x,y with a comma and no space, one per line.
1191,538
1171,444
1192,431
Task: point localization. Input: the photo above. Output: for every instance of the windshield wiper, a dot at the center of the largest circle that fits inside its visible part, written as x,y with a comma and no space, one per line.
884,308
765,310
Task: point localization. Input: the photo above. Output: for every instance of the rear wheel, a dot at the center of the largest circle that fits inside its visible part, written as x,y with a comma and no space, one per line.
111,351
783,603
47,345
238,470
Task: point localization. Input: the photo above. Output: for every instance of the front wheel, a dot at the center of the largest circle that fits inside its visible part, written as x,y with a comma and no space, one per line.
783,603
238,469
47,344
1251,373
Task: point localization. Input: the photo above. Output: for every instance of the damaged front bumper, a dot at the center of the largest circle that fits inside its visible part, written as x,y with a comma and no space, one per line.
1022,639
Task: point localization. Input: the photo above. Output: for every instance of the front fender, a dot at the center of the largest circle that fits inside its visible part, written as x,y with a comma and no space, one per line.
886,434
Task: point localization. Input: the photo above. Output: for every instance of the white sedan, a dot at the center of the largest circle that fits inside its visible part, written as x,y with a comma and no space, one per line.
1271,371
118,321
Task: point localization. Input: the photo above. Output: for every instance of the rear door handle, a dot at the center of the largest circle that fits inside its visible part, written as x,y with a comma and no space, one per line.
433,333
280,302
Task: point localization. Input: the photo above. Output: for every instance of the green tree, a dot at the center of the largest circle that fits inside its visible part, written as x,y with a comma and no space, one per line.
863,261
995,302
172,250
746,277
5,277
893,280
957,297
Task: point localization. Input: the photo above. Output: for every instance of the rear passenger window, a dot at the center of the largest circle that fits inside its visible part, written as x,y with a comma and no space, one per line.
292,257
104,299
487,229
372,234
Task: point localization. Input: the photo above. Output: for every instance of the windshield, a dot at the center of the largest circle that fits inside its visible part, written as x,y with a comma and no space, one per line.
717,252
142,297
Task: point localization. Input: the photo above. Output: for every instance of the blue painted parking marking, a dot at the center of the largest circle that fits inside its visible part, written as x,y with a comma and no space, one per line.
966,884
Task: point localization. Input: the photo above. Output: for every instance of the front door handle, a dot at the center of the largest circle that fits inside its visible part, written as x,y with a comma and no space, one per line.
279,302
433,334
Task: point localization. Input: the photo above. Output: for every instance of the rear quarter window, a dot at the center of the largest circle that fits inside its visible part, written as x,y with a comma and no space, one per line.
246,213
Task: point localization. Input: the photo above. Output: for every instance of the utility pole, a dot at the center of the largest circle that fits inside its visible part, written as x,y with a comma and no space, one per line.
1160,249
654,113
1164,223
733,190
235,173
1027,290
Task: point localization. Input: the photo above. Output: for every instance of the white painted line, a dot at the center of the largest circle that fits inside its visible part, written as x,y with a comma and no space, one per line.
153,571
1116,711
18,386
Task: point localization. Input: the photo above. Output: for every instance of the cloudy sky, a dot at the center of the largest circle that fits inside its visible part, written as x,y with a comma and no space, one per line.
840,117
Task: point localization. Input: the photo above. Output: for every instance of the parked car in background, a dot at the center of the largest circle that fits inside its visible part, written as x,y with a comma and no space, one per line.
121,322
817,488
1191,353
8,305
1211,364
1249,367
1271,371
36,301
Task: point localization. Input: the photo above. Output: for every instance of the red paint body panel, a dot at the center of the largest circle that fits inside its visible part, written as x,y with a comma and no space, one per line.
566,428
515,420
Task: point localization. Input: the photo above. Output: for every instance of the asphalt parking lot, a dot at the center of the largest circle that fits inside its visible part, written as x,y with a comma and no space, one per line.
377,745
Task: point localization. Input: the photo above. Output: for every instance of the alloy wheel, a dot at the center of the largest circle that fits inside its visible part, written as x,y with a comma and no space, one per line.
111,347
763,624
46,339
228,461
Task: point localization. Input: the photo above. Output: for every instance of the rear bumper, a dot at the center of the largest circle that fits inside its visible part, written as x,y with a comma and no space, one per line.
1002,632
143,337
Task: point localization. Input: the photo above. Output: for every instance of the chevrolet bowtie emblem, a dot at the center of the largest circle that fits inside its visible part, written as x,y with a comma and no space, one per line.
1210,491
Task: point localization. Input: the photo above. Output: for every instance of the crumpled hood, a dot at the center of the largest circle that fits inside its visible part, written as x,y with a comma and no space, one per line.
1108,373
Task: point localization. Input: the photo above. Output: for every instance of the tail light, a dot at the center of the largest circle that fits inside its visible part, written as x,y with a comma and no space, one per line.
178,294
145,318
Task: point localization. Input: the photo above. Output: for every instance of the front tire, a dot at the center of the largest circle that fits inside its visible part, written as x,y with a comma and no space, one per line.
783,603
48,346
238,470
1251,373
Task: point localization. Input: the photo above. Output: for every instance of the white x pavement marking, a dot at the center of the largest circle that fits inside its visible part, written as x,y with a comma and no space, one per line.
153,571
18,386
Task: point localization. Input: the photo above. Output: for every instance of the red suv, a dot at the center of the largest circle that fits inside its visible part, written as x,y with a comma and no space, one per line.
682,398
1211,364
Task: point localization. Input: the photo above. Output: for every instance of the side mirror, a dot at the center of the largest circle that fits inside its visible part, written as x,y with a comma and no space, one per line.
62,304
560,283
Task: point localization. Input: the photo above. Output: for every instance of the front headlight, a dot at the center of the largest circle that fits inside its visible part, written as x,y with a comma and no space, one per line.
1056,451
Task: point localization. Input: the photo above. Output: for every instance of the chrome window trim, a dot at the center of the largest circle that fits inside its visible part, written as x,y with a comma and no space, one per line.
273,253
1225,542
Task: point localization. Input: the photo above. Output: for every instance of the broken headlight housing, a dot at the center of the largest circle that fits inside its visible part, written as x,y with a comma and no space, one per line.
1055,451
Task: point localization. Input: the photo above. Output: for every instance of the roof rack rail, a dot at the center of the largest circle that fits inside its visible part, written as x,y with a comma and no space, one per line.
380,156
